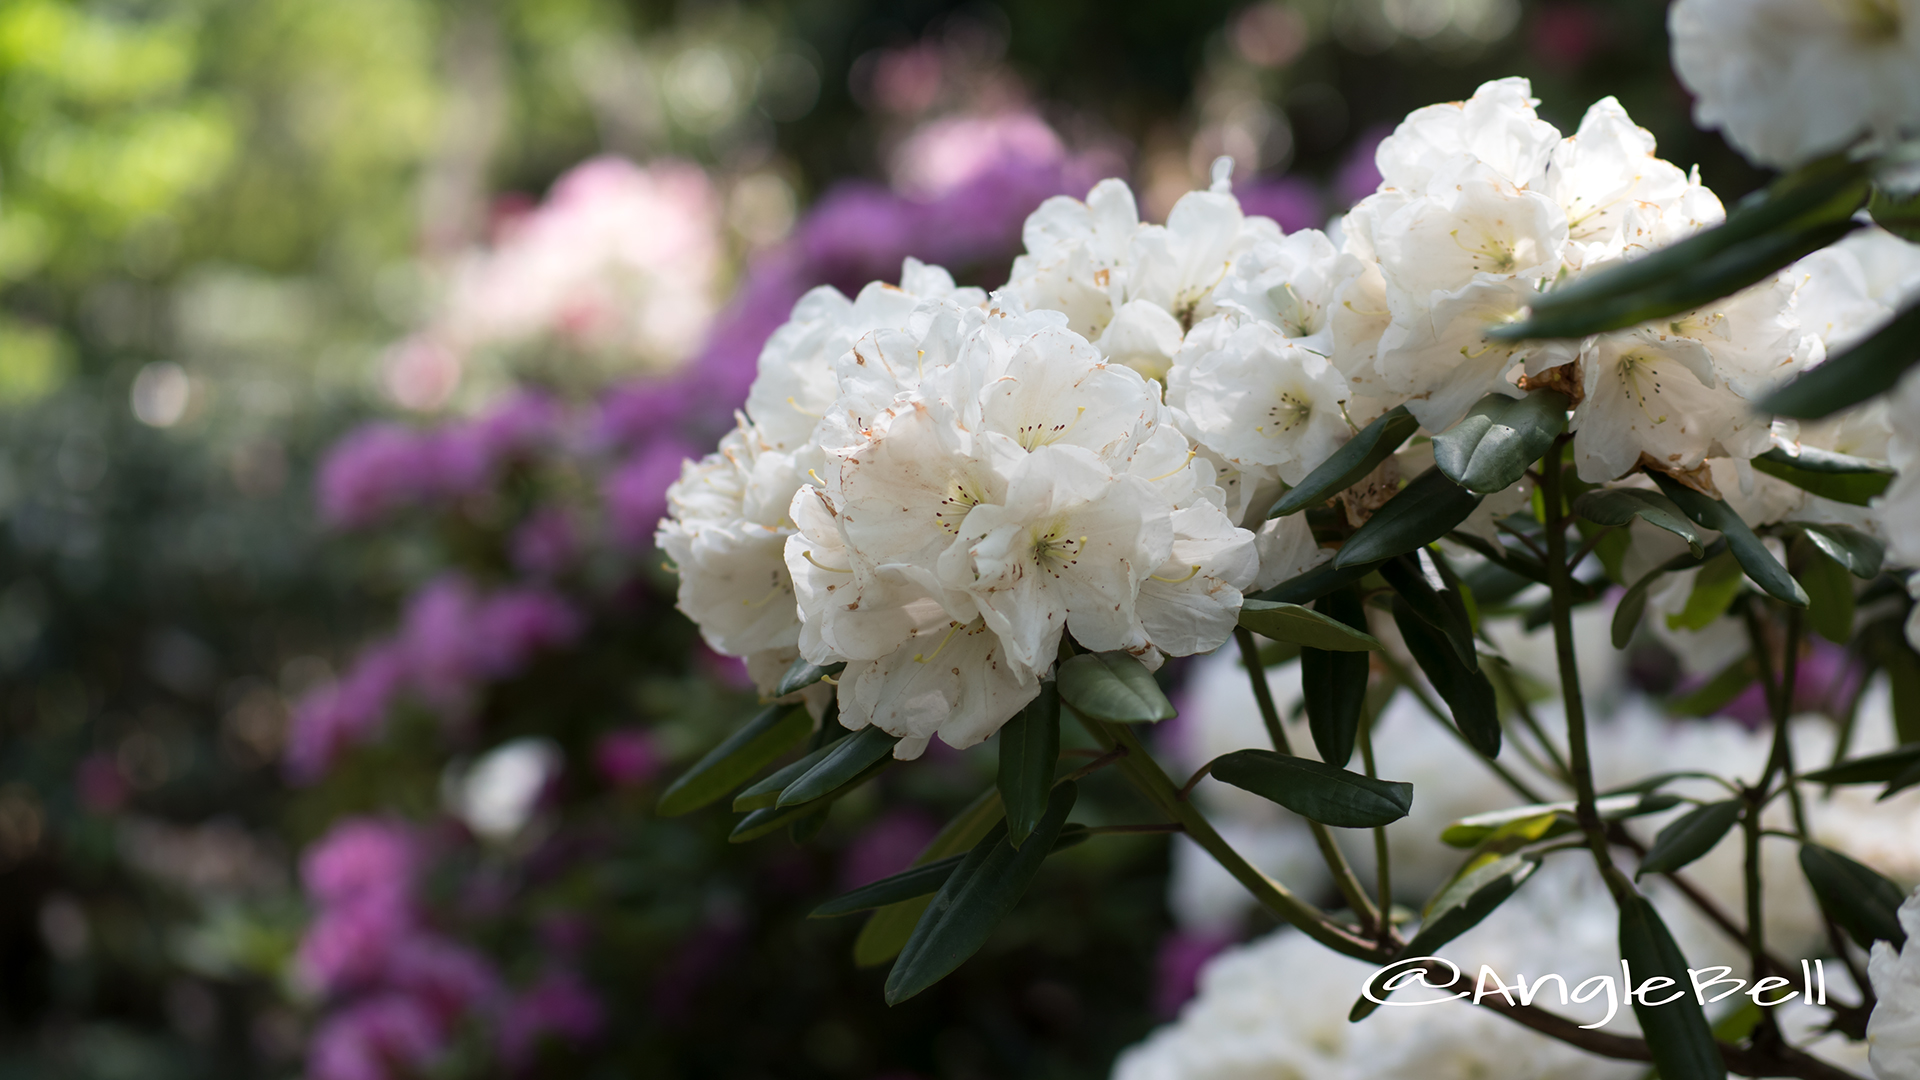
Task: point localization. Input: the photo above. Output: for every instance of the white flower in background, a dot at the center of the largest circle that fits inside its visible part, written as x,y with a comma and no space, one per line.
1016,487
1893,1032
620,258
497,795
1789,81
1897,511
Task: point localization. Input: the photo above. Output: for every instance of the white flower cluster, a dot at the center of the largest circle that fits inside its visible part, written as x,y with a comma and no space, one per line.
1893,1032
1789,81
934,485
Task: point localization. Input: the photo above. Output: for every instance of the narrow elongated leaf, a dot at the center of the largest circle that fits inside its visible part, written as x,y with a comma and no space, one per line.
1113,686
1424,511
1899,215
1334,684
767,819
1867,370
1829,592
1717,692
1316,790
765,791
919,881
982,889
1839,477
843,761
802,674
1626,615
1350,464
1467,692
1714,587
1692,835
1860,553
1304,626
1755,559
1443,611
888,928
1677,1031
1311,585
1029,750
1518,563
1479,828
1458,908
1798,214
1619,506
1492,447
1872,769
1909,777
1863,903
743,753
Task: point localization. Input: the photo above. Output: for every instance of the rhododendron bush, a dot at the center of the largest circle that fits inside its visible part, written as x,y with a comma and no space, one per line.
1534,378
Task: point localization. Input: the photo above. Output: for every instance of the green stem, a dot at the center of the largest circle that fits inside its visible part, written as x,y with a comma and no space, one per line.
1504,676
1383,863
1336,860
1405,679
1580,760
1146,775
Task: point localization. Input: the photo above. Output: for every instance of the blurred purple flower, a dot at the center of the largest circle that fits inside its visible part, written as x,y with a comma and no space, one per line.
516,624
450,977
345,713
380,468
545,544
378,1038
1293,202
1828,676
1565,35
628,757
886,847
1359,175
347,948
361,859
636,492
1177,965
559,1004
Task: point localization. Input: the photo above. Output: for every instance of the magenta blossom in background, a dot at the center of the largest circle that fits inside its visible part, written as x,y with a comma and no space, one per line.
98,782
1359,175
1293,202
559,1005
1827,678
1177,965
382,468
361,859
545,544
886,847
636,492
375,1039
628,757
352,711
1566,35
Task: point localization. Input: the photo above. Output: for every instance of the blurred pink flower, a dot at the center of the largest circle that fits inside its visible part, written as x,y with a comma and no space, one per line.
361,858
379,1038
559,1004
97,781
941,155
628,757
1177,965
1564,35
545,544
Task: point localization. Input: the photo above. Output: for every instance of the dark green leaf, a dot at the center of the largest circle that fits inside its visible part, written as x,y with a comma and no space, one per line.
1334,684
1445,611
1493,446
1710,698
1467,692
918,881
766,791
727,766
1350,464
1422,512
1677,1031
1657,780
1626,616
1714,587
1829,592
1313,584
801,674
1899,215
1316,790
767,819
1872,769
1113,686
1908,777
1863,903
842,762
888,928
1619,506
1692,835
1029,750
982,889
1850,480
1860,553
1797,215
1459,907
1754,557
1866,370
1304,626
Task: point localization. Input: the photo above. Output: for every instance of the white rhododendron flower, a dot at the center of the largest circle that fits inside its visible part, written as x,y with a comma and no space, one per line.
1893,1032
1790,81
